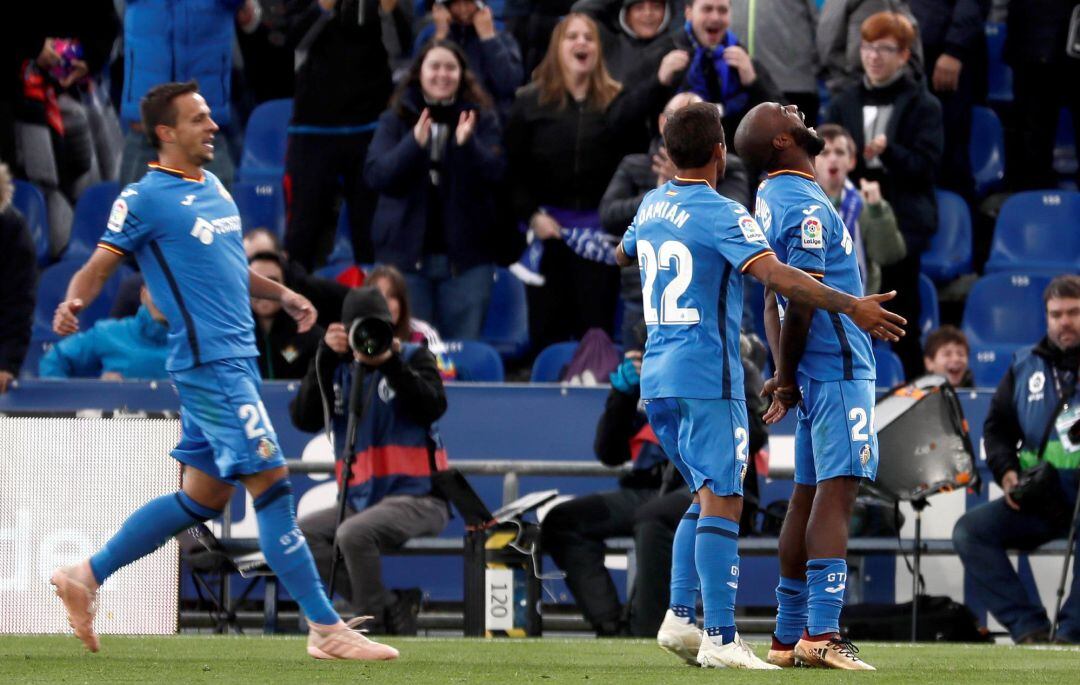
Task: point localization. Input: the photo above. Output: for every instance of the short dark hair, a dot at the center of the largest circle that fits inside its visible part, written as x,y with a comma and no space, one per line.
1062,287
266,256
157,107
831,132
691,133
943,336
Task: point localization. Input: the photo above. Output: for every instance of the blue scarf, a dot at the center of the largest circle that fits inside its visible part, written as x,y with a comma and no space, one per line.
851,205
732,94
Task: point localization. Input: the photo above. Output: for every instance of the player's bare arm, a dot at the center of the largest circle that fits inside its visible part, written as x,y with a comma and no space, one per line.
621,258
784,395
793,336
84,288
295,304
866,312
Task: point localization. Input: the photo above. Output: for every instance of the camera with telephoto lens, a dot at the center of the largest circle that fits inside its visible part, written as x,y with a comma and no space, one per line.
371,336
367,319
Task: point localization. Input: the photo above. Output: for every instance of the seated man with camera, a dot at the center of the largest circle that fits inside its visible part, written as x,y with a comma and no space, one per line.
1036,406
380,398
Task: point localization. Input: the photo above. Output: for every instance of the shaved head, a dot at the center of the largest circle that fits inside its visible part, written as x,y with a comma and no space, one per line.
772,135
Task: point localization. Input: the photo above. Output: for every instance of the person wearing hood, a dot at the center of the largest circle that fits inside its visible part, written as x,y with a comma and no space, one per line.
113,349
434,159
390,498
631,34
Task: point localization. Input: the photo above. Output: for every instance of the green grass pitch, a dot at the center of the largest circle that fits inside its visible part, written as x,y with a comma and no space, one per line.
188,659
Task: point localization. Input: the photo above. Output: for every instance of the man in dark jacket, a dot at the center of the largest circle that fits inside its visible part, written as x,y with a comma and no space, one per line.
632,33
898,127
18,277
284,352
1035,407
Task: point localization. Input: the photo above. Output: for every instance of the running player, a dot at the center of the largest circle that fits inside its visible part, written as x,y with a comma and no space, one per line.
182,227
825,360
692,247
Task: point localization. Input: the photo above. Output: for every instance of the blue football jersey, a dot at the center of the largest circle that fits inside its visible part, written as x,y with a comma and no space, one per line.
692,246
807,233
185,234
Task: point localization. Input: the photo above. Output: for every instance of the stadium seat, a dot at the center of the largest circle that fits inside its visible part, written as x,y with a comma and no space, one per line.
1003,313
549,364
265,140
1037,231
949,254
475,361
91,216
31,203
890,370
929,318
52,286
986,150
1000,74
506,323
261,205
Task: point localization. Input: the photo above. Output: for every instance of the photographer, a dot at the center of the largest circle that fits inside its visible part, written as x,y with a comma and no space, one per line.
1035,407
390,497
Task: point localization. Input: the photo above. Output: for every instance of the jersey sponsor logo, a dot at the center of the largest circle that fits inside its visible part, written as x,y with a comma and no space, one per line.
128,192
750,230
188,199
812,236
835,589
204,230
117,215
764,216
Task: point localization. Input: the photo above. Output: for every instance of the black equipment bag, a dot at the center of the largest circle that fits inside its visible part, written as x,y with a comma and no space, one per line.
940,620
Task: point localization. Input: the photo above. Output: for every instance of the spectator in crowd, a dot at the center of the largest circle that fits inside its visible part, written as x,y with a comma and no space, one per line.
839,33
637,174
434,157
407,328
390,498
650,502
897,125
342,85
866,214
113,349
1045,75
18,280
1029,409
717,66
491,51
568,130
953,35
269,59
165,41
632,34
780,35
284,352
946,353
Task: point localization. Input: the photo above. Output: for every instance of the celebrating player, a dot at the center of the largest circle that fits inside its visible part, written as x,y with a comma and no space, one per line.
825,364
692,247
183,229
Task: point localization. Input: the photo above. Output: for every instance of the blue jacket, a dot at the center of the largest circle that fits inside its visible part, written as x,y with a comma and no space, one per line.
399,170
134,347
178,40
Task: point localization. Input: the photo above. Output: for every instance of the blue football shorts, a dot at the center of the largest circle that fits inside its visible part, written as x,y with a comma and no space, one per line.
705,439
225,429
834,432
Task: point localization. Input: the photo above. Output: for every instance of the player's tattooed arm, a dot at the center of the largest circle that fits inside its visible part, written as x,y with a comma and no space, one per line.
84,288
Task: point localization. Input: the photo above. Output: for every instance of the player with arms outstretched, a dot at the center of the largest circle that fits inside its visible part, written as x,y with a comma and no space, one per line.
825,366
692,247
183,229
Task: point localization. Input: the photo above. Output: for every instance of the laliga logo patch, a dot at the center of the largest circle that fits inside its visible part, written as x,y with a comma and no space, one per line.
117,215
266,448
764,215
812,238
750,230
1035,386
864,455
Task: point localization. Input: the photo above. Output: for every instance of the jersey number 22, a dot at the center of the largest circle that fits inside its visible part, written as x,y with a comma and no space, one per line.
672,255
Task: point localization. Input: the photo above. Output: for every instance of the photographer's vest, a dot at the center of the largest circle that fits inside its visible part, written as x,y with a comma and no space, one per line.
391,448
1037,398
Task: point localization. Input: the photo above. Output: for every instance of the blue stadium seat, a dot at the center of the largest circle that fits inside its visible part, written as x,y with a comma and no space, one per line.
261,205
1003,313
29,200
506,323
549,364
929,318
986,150
890,370
265,139
91,216
1000,74
949,254
52,286
475,361
1037,231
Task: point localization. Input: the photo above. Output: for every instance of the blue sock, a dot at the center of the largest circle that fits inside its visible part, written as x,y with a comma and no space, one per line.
288,555
791,597
826,580
148,528
717,555
684,577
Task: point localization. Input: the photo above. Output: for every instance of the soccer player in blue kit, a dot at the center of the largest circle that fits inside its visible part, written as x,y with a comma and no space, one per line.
692,247
182,227
825,367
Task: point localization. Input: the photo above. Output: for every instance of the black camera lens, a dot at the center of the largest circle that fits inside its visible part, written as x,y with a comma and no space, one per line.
371,336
